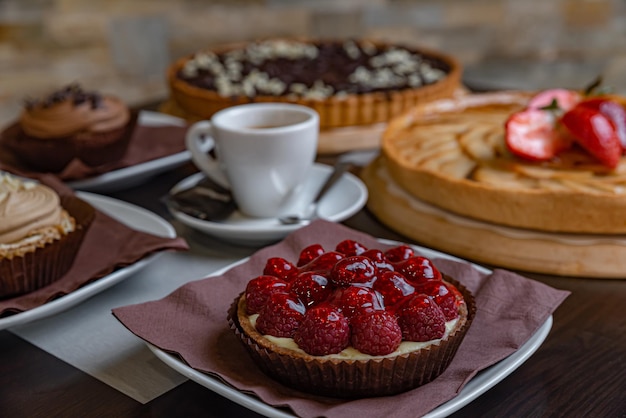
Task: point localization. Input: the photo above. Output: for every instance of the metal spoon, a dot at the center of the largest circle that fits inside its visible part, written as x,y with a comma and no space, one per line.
356,158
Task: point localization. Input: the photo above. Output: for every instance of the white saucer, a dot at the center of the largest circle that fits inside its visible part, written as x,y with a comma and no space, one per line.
345,198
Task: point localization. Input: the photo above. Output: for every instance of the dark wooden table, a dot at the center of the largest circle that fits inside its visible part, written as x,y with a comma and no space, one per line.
579,371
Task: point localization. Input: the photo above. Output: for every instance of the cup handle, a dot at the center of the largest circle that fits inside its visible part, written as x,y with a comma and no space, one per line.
199,142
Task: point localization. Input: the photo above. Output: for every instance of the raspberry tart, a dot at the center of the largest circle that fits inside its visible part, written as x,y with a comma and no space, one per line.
352,322
550,161
352,82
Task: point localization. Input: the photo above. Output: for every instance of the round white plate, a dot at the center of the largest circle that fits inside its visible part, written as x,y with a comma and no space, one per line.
482,382
343,200
127,177
132,216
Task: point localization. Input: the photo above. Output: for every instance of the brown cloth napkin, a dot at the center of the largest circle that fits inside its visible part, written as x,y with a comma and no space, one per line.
191,321
146,144
107,246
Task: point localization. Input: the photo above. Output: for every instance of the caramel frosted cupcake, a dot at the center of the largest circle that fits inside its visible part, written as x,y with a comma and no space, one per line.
352,322
70,123
350,82
40,234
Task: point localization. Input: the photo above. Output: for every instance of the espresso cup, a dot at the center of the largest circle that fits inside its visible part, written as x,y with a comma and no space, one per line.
263,153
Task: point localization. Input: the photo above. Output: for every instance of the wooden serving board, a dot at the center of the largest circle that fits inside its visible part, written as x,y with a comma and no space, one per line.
331,141
593,256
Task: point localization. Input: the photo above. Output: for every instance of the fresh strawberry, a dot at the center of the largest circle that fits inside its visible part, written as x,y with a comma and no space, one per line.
595,132
324,330
355,300
309,254
443,296
350,247
421,319
379,259
531,134
612,110
565,99
281,268
310,287
399,253
259,289
352,270
394,287
418,269
324,262
376,333
281,315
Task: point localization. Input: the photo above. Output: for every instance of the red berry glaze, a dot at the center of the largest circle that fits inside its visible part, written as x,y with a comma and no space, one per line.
394,287
281,268
281,315
418,269
376,333
355,300
310,287
399,253
379,259
355,269
324,330
324,262
441,294
259,289
309,254
421,319
350,247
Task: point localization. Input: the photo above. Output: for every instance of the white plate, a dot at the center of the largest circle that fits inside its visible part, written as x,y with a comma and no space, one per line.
126,177
481,383
131,215
343,200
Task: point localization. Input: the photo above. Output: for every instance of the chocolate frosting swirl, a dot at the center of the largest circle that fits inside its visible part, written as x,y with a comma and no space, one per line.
25,207
71,111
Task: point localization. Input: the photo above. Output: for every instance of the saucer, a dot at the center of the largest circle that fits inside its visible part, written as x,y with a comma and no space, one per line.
345,199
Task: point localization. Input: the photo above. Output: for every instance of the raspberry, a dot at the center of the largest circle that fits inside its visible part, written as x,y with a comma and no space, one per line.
259,289
350,247
309,254
418,269
355,300
399,253
393,286
281,268
324,262
421,319
310,287
355,269
379,259
281,315
443,296
324,330
376,333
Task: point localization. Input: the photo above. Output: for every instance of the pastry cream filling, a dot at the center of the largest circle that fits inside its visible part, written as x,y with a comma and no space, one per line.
66,118
26,208
351,353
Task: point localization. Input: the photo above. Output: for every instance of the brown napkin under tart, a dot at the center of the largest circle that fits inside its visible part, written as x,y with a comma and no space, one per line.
191,322
146,144
107,246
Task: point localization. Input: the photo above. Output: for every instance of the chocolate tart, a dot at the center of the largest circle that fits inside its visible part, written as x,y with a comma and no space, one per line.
351,378
451,153
346,82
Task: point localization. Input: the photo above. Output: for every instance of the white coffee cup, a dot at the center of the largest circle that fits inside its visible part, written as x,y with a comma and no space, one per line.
264,152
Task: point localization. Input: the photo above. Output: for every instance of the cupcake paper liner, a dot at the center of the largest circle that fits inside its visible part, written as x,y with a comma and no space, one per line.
353,378
45,265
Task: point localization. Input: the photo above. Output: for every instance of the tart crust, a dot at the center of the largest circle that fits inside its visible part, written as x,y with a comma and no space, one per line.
351,110
452,153
328,376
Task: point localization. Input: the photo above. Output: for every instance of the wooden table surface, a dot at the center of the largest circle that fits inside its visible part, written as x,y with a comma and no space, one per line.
579,371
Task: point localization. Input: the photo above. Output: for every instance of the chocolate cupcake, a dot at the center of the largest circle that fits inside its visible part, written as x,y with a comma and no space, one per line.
40,234
67,124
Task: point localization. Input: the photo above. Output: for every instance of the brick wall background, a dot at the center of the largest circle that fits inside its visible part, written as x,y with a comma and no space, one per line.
124,47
